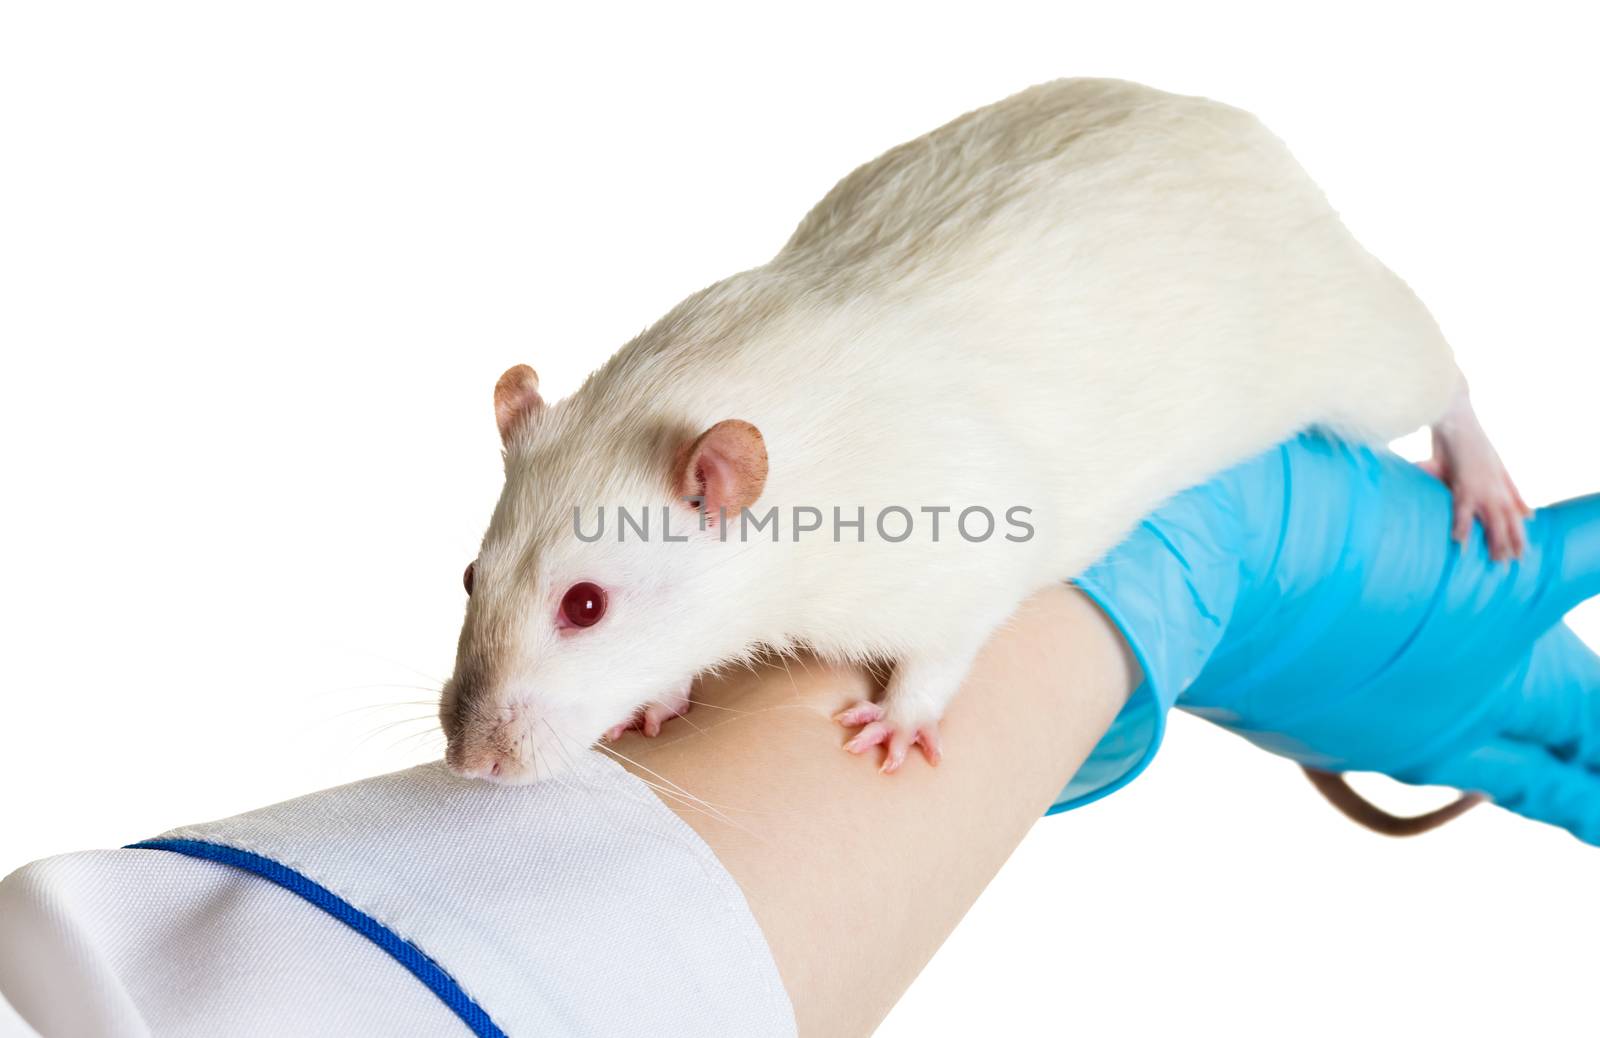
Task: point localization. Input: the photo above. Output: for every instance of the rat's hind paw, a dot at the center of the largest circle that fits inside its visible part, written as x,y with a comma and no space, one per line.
1482,490
877,728
650,719
1467,463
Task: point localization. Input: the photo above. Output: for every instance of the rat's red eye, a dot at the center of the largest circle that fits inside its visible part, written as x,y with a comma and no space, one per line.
584,604
466,578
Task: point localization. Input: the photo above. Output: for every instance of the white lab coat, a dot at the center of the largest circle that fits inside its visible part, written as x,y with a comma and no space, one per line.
409,904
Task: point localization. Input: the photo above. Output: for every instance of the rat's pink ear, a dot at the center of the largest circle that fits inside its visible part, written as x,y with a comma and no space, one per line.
516,400
726,466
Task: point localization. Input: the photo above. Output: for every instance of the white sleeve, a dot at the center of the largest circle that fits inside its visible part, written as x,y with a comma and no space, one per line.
409,904
12,1025
133,942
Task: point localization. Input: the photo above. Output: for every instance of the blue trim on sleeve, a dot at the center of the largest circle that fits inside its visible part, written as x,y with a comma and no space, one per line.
403,951
1146,690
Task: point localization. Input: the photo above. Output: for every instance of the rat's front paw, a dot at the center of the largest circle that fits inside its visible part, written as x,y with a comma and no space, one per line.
650,719
879,727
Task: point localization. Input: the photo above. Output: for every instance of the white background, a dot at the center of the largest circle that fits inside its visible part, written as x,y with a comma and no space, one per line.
260,266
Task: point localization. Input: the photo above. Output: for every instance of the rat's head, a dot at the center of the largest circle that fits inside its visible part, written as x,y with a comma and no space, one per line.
576,616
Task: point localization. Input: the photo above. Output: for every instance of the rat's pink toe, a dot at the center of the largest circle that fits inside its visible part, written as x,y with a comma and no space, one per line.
653,715
871,735
858,714
928,740
900,742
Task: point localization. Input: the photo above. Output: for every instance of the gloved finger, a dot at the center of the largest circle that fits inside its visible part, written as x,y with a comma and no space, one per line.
1556,701
1525,778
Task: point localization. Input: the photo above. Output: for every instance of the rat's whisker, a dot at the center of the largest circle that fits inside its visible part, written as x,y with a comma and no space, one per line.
716,811
338,690
413,739
682,717
565,756
368,708
396,724
703,705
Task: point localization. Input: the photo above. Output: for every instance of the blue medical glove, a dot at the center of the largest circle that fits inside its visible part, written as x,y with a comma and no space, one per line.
1311,601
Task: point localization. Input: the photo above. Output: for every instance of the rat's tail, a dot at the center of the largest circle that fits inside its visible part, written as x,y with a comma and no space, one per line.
1362,811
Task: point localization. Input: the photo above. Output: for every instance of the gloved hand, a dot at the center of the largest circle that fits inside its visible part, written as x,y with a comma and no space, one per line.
1311,601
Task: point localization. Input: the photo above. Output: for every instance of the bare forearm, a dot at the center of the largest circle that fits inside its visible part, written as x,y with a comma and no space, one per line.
856,877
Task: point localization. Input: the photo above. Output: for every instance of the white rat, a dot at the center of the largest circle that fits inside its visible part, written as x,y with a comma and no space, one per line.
1062,309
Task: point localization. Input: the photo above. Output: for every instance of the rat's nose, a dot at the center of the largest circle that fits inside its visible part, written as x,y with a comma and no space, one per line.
502,754
481,767
486,759
486,743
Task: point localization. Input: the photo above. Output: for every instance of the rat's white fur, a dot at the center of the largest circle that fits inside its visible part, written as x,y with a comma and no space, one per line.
1081,300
